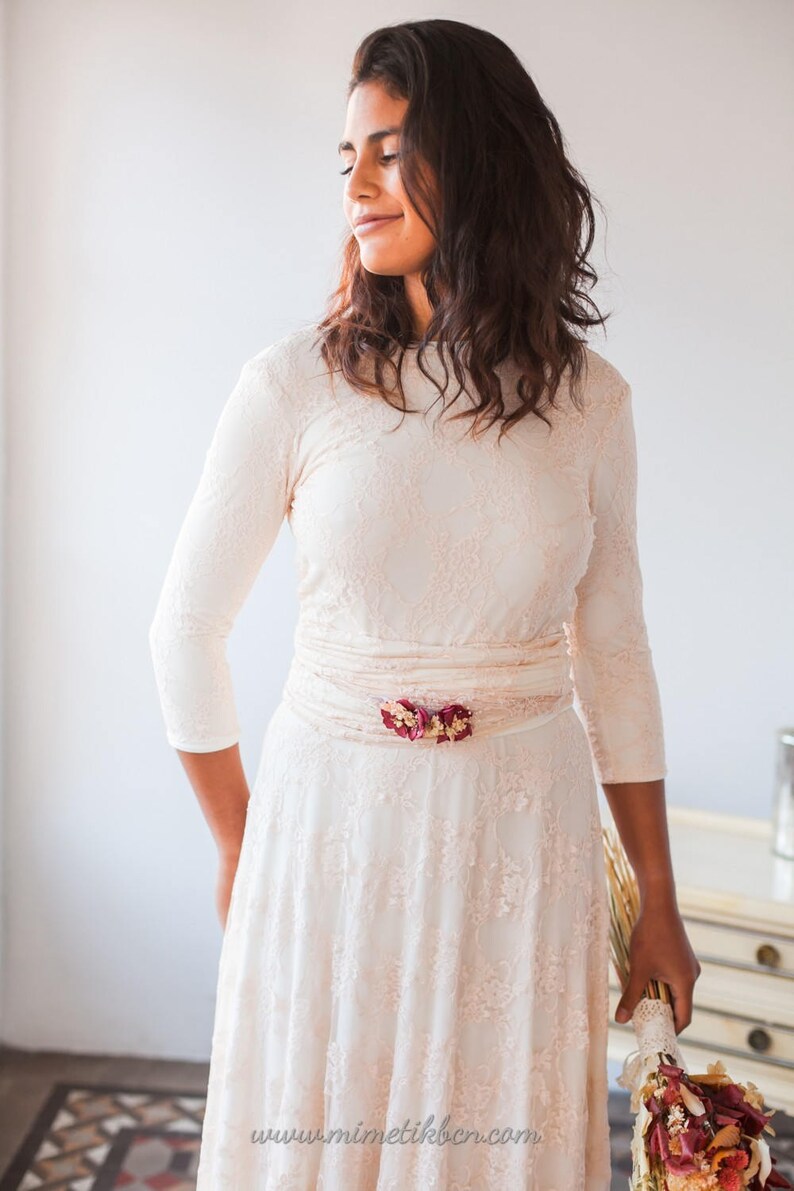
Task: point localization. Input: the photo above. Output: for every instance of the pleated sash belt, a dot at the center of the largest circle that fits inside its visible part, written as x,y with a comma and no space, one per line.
414,694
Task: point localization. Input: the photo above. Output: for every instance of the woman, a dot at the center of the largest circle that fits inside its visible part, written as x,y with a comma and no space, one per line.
414,965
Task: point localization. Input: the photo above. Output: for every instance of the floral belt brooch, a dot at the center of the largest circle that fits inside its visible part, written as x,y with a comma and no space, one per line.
411,720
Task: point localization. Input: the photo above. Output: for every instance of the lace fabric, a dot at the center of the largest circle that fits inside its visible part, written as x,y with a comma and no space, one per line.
654,1027
505,686
416,930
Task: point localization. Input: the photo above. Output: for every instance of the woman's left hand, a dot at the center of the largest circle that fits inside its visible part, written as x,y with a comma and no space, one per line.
660,950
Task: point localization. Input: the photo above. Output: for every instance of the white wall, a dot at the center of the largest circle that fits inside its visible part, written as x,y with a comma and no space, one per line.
174,205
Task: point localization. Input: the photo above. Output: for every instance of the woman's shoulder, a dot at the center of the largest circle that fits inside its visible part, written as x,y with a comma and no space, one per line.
603,382
602,391
292,357
288,373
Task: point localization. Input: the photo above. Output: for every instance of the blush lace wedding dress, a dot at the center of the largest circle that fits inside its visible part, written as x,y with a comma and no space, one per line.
417,934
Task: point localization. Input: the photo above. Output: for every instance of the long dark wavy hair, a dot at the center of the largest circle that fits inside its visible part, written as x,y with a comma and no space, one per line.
512,221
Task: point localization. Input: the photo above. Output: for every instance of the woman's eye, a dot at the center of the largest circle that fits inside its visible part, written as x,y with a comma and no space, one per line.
387,157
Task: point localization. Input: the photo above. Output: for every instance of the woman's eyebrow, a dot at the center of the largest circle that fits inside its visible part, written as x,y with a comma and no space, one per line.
372,138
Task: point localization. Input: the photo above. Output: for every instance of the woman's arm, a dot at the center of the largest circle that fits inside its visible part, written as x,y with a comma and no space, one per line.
660,948
638,809
612,668
220,785
242,497
616,686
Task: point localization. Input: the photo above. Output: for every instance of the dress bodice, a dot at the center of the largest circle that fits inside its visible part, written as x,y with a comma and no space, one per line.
409,529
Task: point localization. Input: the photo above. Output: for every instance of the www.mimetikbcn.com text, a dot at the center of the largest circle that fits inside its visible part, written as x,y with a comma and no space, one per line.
399,1135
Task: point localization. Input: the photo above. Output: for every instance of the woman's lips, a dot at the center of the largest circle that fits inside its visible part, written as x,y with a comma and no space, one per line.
371,224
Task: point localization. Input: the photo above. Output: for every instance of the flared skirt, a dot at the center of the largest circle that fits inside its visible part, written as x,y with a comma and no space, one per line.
412,989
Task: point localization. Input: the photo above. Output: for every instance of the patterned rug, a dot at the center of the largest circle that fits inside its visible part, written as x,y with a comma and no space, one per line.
92,1137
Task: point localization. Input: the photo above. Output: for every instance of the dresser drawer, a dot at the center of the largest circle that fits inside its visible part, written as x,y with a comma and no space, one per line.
727,1033
752,1039
732,944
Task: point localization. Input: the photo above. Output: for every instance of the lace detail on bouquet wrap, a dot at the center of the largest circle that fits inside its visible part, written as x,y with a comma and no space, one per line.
654,1027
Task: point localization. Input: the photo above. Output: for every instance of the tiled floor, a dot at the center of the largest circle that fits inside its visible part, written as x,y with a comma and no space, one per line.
27,1079
87,1123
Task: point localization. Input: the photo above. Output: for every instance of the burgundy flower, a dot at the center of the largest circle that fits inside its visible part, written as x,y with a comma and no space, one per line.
412,720
456,720
405,718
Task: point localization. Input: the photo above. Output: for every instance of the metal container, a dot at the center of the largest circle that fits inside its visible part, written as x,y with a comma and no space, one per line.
783,812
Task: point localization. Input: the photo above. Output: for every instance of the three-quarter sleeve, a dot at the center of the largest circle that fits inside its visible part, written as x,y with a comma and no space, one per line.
612,667
233,519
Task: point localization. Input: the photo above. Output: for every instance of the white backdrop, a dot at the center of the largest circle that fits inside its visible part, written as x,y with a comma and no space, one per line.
172,204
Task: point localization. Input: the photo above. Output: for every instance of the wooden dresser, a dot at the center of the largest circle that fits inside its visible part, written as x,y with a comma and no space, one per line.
737,901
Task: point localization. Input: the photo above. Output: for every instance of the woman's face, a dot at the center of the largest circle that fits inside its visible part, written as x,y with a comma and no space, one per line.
397,243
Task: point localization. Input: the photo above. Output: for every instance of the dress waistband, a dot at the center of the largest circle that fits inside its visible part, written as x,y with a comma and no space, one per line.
340,686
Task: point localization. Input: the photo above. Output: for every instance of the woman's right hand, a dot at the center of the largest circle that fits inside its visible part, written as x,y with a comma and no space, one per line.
227,868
